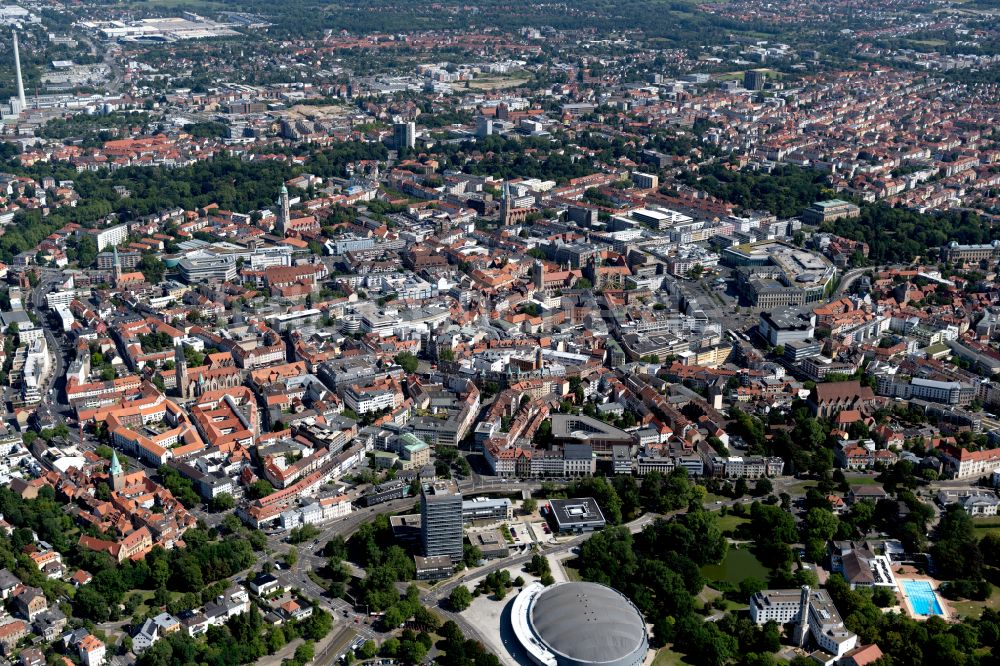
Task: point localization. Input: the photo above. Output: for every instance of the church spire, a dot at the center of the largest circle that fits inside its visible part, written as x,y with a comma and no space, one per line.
505,205
181,369
117,270
116,473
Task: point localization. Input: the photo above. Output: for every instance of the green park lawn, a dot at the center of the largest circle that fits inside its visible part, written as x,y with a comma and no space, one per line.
572,569
984,526
731,522
969,607
667,657
800,488
862,481
973,609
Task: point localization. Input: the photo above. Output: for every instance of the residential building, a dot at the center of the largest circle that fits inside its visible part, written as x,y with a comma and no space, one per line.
975,502
91,651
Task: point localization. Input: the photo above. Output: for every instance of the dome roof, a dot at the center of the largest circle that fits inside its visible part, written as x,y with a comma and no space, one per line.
587,622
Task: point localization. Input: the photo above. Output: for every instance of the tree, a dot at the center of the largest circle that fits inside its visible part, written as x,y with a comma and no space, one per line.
305,653
751,586
394,616
820,524
603,492
86,251
259,489
775,529
152,268
275,640
303,533
407,361
763,487
957,551
318,625
460,598
292,556
368,649
471,555
89,603
821,462
412,652
426,619
883,597
223,502
538,565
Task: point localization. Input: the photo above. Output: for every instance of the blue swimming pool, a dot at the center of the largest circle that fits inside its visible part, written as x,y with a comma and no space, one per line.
922,597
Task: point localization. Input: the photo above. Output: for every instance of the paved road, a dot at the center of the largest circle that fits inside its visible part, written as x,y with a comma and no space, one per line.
335,647
53,404
847,280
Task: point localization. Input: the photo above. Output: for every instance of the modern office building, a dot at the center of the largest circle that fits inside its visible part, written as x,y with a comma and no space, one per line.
441,520
569,429
386,492
645,181
487,508
754,79
200,266
580,514
785,325
404,135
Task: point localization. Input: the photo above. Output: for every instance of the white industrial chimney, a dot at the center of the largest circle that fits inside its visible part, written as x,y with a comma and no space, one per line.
20,81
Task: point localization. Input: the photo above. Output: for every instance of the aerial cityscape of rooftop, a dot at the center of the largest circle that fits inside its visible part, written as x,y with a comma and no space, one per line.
517,333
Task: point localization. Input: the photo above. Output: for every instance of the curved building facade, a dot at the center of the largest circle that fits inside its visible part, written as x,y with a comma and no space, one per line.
579,624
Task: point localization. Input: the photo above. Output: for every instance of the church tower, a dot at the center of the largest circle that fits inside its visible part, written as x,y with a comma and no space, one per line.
505,206
284,214
116,473
117,267
181,368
